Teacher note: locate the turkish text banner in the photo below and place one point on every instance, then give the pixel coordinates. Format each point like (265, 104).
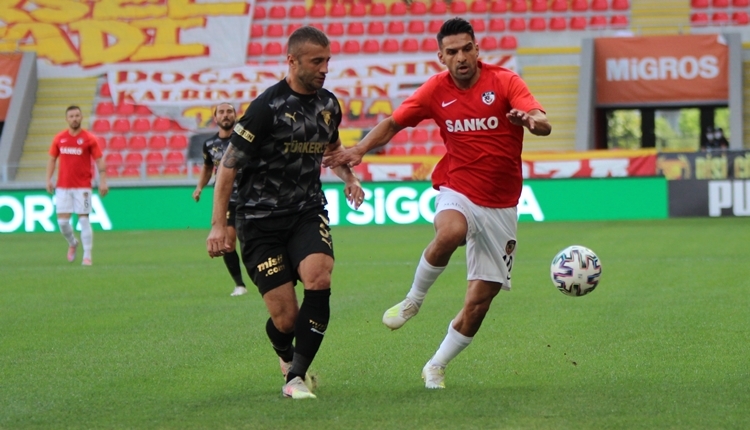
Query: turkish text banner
(9, 65)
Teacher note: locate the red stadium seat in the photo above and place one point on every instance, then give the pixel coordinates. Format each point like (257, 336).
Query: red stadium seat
(157, 142)
(256, 31)
(396, 27)
(390, 46)
(557, 23)
(137, 143)
(741, 3)
(358, 10)
(498, 6)
(101, 142)
(538, 24)
(291, 28)
(275, 30)
(559, 6)
(720, 18)
(579, 5)
(418, 150)
(434, 26)
(410, 45)
(130, 171)
(420, 136)
(508, 42)
(539, 6)
(277, 12)
(351, 47)
(117, 143)
(497, 25)
(740, 18)
(430, 45)
(398, 8)
(318, 25)
(401, 138)
(619, 21)
(438, 150)
(254, 49)
(113, 171)
(297, 12)
(478, 25)
(337, 10)
(121, 126)
(435, 136)
(378, 9)
(100, 125)
(105, 109)
(519, 6)
(721, 3)
(438, 8)
(125, 109)
(599, 5)
(417, 27)
(376, 28)
(259, 13)
(620, 4)
(273, 48)
(479, 7)
(335, 47)
(161, 125)
(699, 4)
(175, 158)
(141, 125)
(104, 90)
(142, 110)
(418, 8)
(699, 19)
(317, 11)
(488, 43)
(356, 28)
(335, 29)
(578, 23)
(152, 170)
(113, 159)
(172, 170)
(133, 159)
(598, 22)
(517, 24)
(396, 150)
(177, 142)
(371, 46)
(458, 7)
(154, 159)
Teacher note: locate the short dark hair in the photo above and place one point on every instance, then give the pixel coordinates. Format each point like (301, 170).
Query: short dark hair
(303, 35)
(455, 26)
(72, 107)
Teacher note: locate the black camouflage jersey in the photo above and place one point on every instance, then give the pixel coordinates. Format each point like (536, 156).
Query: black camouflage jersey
(213, 150)
(284, 135)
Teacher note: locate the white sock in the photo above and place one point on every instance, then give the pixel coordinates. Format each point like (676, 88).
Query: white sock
(67, 231)
(425, 275)
(452, 345)
(87, 236)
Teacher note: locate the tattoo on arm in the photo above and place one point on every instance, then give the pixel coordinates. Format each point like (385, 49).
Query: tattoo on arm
(234, 158)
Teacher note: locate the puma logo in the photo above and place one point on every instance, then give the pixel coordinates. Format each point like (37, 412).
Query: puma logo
(291, 115)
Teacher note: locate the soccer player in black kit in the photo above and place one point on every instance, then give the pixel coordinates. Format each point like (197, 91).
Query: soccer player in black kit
(213, 150)
(282, 223)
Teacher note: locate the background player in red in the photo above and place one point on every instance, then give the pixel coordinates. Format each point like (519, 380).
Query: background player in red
(76, 148)
(481, 110)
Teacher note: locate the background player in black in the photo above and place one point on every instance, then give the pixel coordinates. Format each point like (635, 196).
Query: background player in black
(282, 223)
(213, 149)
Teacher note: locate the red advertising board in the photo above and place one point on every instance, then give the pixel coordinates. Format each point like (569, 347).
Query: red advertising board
(9, 64)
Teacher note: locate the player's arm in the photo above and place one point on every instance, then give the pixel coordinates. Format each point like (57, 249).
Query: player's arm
(352, 189)
(535, 120)
(51, 171)
(225, 175)
(101, 166)
(377, 137)
(206, 173)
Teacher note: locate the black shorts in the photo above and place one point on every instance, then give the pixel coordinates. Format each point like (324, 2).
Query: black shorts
(232, 214)
(272, 248)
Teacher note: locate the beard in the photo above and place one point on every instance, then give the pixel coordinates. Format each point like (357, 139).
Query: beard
(226, 125)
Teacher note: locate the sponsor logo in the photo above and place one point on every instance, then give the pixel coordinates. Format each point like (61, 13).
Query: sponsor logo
(71, 151)
(510, 247)
(662, 68)
(471, 124)
(734, 195)
(446, 104)
(291, 115)
(272, 266)
(326, 117)
(244, 133)
(36, 213)
(304, 147)
(488, 97)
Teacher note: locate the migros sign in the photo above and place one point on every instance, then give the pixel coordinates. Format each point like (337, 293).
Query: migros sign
(668, 69)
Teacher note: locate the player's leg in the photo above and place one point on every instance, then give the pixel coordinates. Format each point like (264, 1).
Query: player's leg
(82, 206)
(451, 229)
(64, 209)
(231, 258)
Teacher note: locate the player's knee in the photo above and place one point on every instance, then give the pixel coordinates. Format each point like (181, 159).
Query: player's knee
(318, 281)
(285, 322)
(447, 239)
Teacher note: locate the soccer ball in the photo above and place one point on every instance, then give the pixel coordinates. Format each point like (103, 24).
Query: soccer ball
(575, 271)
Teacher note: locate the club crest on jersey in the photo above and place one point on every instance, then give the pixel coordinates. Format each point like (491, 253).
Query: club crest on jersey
(510, 247)
(326, 117)
(79, 141)
(488, 97)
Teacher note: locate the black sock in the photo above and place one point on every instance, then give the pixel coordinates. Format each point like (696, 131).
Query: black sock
(311, 325)
(232, 260)
(281, 342)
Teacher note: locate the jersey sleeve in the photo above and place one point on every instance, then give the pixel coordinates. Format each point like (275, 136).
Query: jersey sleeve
(207, 160)
(96, 151)
(257, 121)
(54, 149)
(337, 117)
(416, 107)
(520, 97)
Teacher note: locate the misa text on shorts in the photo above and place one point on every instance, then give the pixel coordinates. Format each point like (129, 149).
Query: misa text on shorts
(729, 194)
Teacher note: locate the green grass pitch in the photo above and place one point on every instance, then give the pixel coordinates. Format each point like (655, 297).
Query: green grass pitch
(149, 338)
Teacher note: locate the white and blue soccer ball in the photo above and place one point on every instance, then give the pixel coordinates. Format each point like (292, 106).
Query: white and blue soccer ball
(575, 271)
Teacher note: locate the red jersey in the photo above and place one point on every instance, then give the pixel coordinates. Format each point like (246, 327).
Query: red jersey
(75, 153)
(483, 157)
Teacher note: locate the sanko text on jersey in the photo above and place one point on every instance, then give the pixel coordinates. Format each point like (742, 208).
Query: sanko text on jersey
(472, 124)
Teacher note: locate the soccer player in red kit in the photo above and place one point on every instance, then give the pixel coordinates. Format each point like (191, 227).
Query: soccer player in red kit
(481, 110)
(76, 148)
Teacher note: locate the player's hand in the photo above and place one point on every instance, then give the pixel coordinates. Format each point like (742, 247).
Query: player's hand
(216, 244)
(354, 193)
(342, 157)
(103, 188)
(520, 118)
(50, 187)
(197, 194)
